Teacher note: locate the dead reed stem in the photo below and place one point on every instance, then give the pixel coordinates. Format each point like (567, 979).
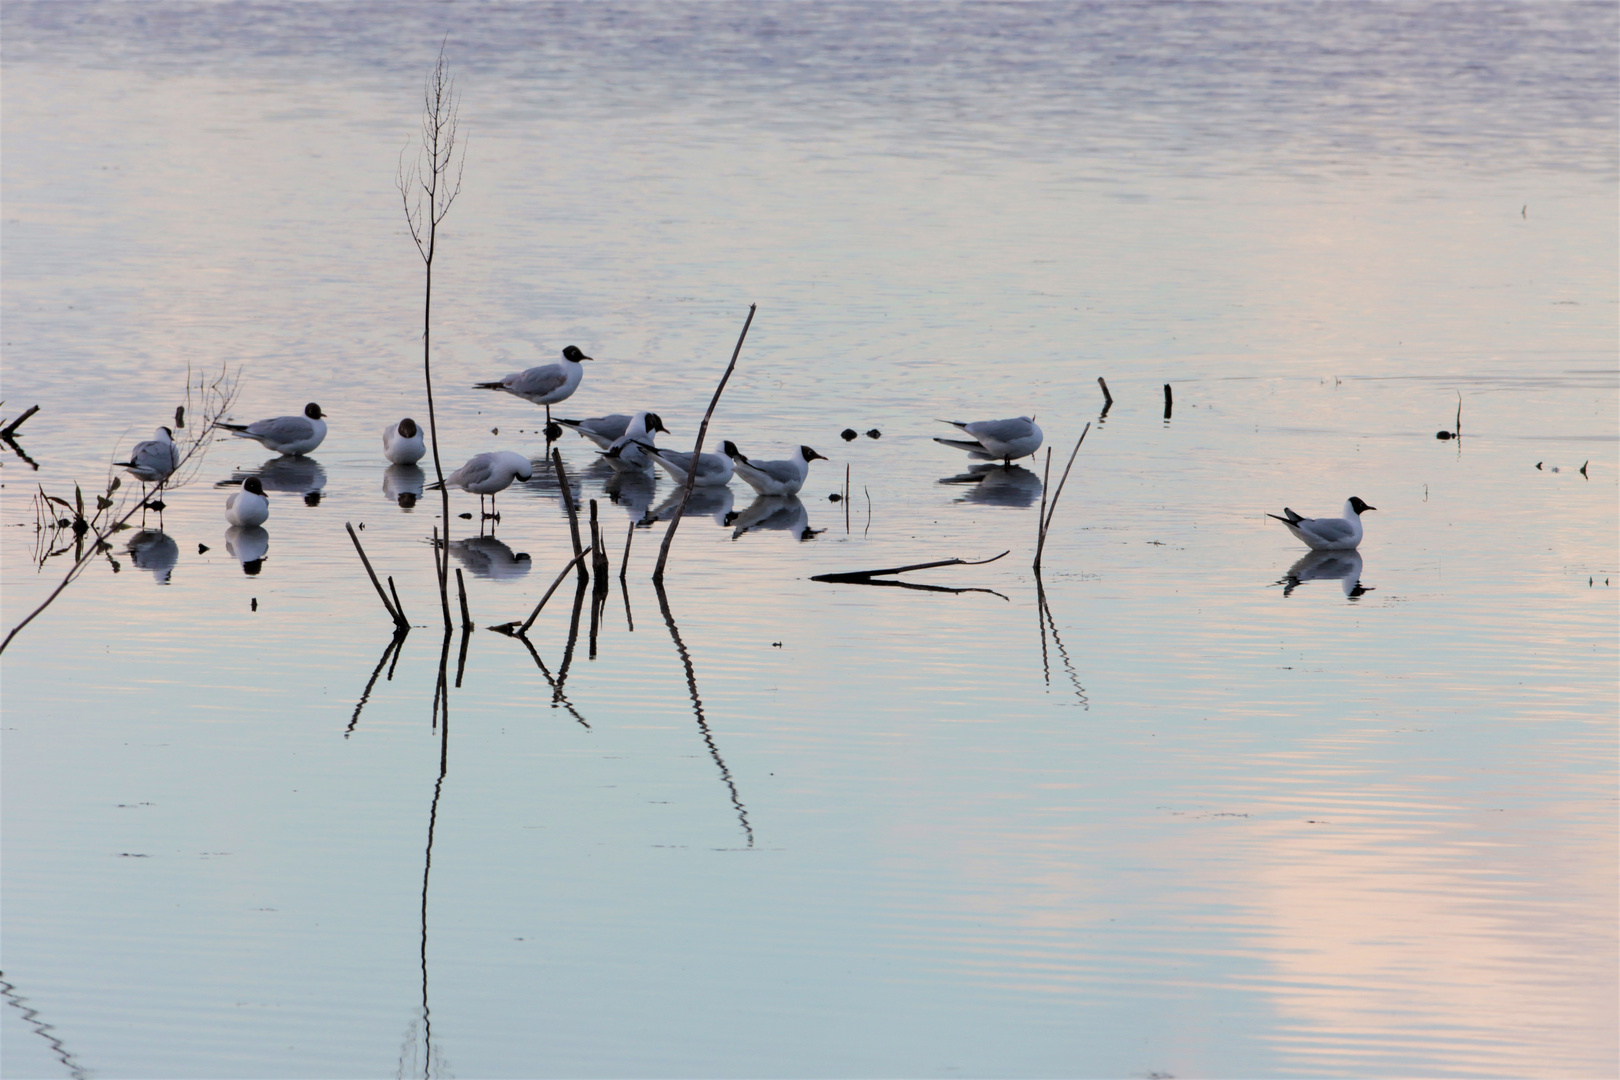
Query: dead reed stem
(703, 429)
(393, 612)
(535, 614)
(573, 515)
(1046, 523)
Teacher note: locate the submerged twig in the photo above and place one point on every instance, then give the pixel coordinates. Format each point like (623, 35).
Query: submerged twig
(697, 450)
(11, 429)
(1108, 399)
(860, 576)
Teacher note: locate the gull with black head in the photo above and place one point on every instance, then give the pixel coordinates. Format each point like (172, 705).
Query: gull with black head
(1328, 534)
(545, 384)
(289, 435)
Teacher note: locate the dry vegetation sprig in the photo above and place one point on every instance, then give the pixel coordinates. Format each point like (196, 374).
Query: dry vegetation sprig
(91, 528)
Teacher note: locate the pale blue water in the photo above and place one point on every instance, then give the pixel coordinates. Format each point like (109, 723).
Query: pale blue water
(1222, 826)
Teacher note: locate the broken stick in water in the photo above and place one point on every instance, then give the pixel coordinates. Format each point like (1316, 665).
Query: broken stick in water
(858, 576)
(399, 620)
(1048, 510)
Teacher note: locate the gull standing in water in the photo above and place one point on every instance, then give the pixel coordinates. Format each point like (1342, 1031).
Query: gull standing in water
(487, 474)
(1328, 534)
(402, 442)
(544, 385)
(247, 507)
(290, 435)
(153, 461)
(772, 477)
(997, 440)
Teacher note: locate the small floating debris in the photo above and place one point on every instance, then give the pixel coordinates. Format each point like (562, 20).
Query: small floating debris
(835, 497)
(254, 604)
(874, 433)
(202, 549)
(848, 434)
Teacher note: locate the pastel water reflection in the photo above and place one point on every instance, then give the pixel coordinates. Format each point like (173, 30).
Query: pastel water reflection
(1170, 807)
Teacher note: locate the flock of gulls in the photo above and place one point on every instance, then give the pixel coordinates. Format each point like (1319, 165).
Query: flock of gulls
(626, 443)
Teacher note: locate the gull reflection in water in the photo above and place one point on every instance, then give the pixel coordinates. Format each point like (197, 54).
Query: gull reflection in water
(714, 501)
(487, 557)
(784, 512)
(403, 484)
(998, 485)
(154, 550)
(295, 475)
(249, 545)
(633, 491)
(1341, 566)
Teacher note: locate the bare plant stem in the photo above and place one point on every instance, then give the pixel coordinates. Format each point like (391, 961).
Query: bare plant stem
(573, 514)
(853, 576)
(427, 195)
(466, 619)
(1046, 522)
(535, 614)
(1040, 522)
(399, 620)
(697, 450)
(219, 396)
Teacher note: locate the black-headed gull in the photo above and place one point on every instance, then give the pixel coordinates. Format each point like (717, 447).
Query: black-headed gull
(1328, 534)
(604, 431)
(772, 477)
(402, 442)
(487, 474)
(997, 440)
(625, 452)
(247, 507)
(154, 460)
(713, 470)
(290, 435)
(546, 384)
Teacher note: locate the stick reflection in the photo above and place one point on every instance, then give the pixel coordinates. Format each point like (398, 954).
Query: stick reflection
(697, 709)
(391, 651)
(1046, 620)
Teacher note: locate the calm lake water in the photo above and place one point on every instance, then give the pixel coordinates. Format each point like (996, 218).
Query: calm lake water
(1182, 806)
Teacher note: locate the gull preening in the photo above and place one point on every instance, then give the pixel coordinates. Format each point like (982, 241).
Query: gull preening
(402, 442)
(290, 435)
(154, 460)
(546, 384)
(772, 477)
(1328, 534)
(247, 507)
(604, 431)
(626, 451)
(713, 470)
(488, 474)
(997, 440)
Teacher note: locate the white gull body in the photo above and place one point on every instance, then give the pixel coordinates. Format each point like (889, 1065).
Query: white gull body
(247, 507)
(289, 435)
(1328, 534)
(772, 477)
(997, 440)
(402, 442)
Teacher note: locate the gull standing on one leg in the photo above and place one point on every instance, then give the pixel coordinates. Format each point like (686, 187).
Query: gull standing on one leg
(997, 440)
(546, 384)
